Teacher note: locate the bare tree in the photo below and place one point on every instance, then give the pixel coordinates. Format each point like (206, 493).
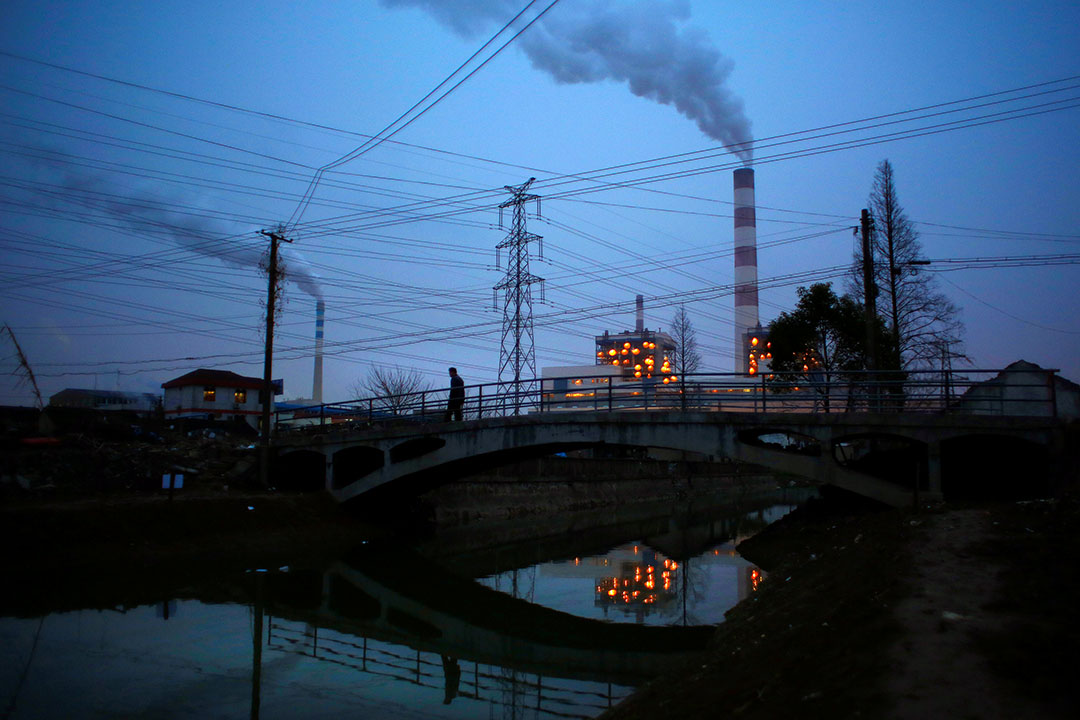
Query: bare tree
(687, 358)
(394, 388)
(917, 314)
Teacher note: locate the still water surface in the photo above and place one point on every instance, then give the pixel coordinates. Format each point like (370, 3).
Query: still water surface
(388, 634)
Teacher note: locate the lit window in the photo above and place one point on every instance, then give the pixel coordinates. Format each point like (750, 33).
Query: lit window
(209, 394)
(240, 396)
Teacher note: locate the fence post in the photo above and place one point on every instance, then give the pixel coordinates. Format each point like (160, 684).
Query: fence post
(371, 409)
(609, 396)
(682, 389)
(480, 402)
(764, 400)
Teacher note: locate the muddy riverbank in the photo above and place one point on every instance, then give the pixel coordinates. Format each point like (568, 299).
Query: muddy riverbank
(954, 612)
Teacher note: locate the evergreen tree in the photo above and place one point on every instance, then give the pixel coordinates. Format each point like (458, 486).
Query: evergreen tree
(918, 316)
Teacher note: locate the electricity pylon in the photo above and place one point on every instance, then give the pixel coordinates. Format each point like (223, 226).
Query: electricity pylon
(517, 354)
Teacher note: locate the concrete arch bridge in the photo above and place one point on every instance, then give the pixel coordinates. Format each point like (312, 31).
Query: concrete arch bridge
(893, 458)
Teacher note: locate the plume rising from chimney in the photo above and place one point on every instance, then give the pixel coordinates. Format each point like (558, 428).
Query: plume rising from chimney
(647, 44)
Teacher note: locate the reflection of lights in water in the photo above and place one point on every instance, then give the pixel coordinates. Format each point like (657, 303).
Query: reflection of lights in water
(636, 585)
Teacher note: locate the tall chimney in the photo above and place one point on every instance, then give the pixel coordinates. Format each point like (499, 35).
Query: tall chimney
(316, 385)
(640, 325)
(746, 282)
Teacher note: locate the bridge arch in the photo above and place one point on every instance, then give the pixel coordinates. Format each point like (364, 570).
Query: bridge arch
(416, 456)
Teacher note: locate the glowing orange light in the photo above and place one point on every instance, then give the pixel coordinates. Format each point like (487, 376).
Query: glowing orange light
(614, 362)
(754, 342)
(626, 345)
(612, 592)
(674, 379)
(611, 351)
(753, 370)
(637, 373)
(636, 350)
(625, 351)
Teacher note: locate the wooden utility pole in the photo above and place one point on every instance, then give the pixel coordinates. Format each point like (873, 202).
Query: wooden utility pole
(276, 237)
(870, 301)
(869, 291)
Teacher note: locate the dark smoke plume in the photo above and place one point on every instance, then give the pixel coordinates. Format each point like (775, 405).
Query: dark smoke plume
(643, 43)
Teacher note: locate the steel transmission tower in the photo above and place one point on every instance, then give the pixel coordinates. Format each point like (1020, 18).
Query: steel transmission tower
(517, 355)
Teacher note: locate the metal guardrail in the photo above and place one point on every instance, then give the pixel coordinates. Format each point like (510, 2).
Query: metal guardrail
(1020, 392)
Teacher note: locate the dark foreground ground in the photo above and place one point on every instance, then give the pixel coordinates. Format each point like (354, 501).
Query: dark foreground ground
(951, 613)
(966, 612)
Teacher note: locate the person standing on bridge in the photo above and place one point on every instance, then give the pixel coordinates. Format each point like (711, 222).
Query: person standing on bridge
(457, 397)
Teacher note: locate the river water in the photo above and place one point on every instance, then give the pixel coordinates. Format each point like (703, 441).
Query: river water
(541, 625)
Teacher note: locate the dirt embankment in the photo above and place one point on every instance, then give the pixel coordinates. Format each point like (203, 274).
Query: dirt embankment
(955, 613)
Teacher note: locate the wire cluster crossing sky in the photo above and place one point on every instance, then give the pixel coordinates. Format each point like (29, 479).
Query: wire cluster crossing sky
(146, 145)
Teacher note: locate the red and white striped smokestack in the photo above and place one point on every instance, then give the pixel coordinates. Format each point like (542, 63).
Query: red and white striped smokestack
(746, 284)
(639, 326)
(316, 384)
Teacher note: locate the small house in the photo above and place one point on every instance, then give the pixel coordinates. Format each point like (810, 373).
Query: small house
(219, 395)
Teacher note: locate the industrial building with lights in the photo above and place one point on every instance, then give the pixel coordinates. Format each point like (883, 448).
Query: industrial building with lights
(626, 365)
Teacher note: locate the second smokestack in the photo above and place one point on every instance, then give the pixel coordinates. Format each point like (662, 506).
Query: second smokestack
(640, 324)
(316, 384)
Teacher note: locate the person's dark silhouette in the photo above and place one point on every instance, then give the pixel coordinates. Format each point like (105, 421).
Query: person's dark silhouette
(452, 673)
(457, 397)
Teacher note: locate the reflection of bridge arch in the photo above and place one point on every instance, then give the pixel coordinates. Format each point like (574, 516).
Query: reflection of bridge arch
(412, 454)
(402, 598)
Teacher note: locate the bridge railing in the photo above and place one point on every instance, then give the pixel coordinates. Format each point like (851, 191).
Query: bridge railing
(1012, 391)
(549, 696)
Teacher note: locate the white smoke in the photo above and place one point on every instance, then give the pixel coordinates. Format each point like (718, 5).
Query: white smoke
(644, 43)
(198, 233)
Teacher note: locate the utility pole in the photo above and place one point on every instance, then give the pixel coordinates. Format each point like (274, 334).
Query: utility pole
(276, 237)
(869, 291)
(517, 353)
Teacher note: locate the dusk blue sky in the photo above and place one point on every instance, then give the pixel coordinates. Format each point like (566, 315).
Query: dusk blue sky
(130, 210)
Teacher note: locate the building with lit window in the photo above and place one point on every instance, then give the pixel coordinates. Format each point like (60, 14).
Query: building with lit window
(216, 395)
(757, 350)
(641, 354)
(628, 369)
